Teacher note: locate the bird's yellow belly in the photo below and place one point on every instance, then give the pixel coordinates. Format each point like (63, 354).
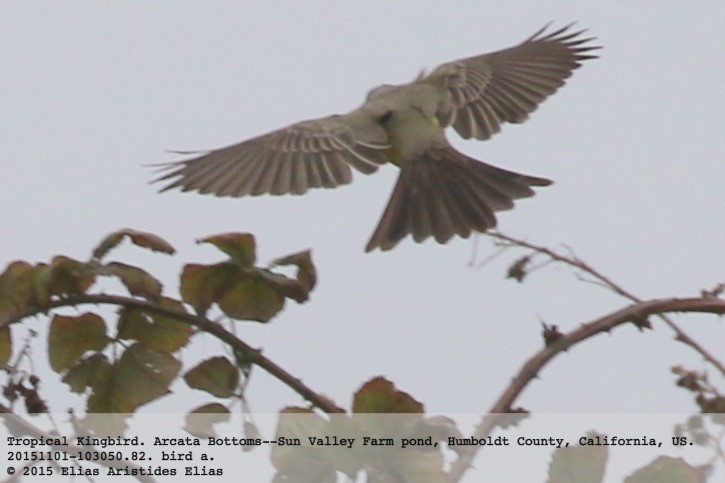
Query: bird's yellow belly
(412, 133)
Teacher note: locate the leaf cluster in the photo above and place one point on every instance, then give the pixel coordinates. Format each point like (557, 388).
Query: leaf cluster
(122, 365)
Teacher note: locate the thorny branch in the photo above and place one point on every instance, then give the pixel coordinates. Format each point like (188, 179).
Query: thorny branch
(500, 413)
(601, 279)
(635, 313)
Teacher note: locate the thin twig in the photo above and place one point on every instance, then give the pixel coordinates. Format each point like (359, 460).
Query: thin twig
(601, 279)
(531, 368)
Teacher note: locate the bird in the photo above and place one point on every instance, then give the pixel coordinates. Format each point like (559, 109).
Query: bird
(440, 192)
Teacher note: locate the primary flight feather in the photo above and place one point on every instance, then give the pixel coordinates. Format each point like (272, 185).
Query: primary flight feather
(440, 192)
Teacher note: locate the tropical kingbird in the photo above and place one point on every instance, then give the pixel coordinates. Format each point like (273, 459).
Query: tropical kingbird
(440, 192)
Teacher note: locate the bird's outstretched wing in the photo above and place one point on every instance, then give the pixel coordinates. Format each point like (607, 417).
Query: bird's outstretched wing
(484, 91)
(309, 154)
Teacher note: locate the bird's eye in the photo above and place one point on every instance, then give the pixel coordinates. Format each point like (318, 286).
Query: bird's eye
(385, 117)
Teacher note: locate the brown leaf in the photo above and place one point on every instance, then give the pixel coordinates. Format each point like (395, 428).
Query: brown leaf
(518, 269)
(306, 272)
(139, 238)
(217, 376)
(241, 247)
(6, 346)
(202, 285)
(69, 277)
(156, 331)
(381, 396)
(138, 281)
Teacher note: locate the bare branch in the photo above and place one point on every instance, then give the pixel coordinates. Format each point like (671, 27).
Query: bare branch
(531, 368)
(600, 279)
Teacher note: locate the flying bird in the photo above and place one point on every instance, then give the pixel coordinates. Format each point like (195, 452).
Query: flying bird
(440, 192)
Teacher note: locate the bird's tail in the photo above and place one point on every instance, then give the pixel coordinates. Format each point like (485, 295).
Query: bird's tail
(444, 193)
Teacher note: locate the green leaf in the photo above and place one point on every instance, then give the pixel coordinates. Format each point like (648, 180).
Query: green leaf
(241, 247)
(138, 281)
(578, 464)
(69, 277)
(252, 299)
(40, 284)
(71, 337)
(380, 396)
(202, 285)
(16, 286)
(109, 397)
(6, 346)
(107, 244)
(666, 469)
(132, 323)
(156, 331)
(200, 422)
(90, 372)
(217, 376)
(143, 374)
(139, 238)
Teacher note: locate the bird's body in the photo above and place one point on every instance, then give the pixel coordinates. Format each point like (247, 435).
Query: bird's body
(440, 192)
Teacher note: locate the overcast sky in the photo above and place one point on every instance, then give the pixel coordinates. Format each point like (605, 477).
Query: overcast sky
(91, 91)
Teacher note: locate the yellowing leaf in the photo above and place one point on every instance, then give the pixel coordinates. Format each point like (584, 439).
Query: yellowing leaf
(138, 281)
(16, 285)
(6, 346)
(71, 337)
(578, 464)
(217, 376)
(200, 422)
(158, 332)
(143, 375)
(108, 397)
(241, 247)
(252, 299)
(69, 277)
(381, 396)
(202, 285)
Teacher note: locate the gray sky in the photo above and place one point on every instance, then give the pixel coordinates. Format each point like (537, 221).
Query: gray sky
(91, 91)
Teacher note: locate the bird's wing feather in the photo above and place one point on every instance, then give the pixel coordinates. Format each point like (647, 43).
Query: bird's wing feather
(482, 92)
(309, 154)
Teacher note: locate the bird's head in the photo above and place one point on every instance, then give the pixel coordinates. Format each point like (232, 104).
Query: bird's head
(380, 92)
